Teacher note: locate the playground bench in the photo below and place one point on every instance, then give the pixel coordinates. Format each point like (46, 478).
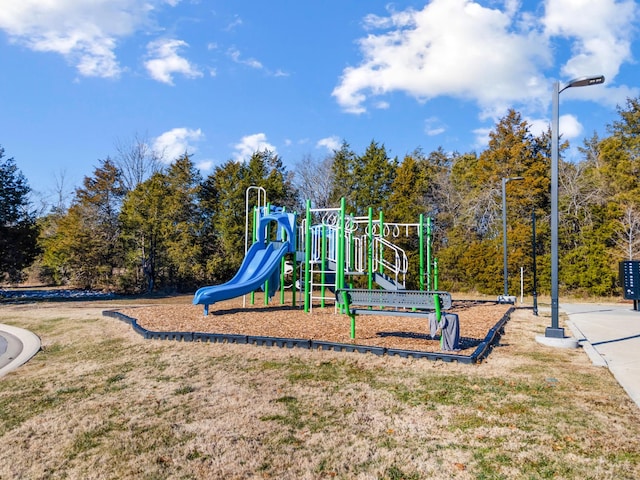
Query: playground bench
(417, 303)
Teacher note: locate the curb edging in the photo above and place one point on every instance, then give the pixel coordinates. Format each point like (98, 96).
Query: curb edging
(481, 352)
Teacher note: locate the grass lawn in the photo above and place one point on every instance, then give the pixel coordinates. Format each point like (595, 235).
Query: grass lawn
(101, 402)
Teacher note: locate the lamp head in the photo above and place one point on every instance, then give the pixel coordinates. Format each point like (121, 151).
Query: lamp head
(585, 81)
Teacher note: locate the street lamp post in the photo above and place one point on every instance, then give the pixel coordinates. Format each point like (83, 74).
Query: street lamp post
(554, 331)
(504, 234)
(533, 262)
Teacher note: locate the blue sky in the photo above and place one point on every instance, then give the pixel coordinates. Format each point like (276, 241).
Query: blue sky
(221, 80)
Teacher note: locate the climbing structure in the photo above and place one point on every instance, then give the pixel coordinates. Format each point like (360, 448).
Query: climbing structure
(338, 247)
(329, 249)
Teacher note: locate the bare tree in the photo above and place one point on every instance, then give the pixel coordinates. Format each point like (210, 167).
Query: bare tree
(137, 161)
(485, 210)
(56, 199)
(61, 193)
(628, 238)
(315, 180)
(580, 190)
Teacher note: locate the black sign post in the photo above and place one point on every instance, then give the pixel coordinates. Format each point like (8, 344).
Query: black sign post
(630, 281)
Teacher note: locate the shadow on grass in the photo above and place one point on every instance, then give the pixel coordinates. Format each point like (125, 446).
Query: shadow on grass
(464, 343)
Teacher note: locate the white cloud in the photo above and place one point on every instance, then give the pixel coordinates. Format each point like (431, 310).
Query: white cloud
(85, 33)
(601, 38)
(205, 165)
(450, 47)
(495, 57)
(236, 22)
(330, 143)
(482, 136)
(166, 62)
(176, 142)
(538, 126)
(250, 62)
(433, 126)
(251, 144)
(237, 57)
(569, 127)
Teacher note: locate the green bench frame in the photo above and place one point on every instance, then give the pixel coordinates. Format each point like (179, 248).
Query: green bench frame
(416, 303)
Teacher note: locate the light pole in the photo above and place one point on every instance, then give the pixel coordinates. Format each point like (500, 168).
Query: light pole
(505, 297)
(554, 331)
(534, 265)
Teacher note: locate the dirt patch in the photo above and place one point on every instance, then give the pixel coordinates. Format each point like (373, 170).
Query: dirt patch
(321, 324)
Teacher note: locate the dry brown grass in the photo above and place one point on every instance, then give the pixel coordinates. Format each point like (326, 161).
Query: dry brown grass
(101, 402)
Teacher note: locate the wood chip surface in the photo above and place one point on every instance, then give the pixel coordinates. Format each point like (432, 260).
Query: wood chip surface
(320, 324)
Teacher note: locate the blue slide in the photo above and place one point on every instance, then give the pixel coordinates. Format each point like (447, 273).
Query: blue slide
(261, 263)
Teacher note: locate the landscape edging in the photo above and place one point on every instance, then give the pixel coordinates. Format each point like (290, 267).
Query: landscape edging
(481, 352)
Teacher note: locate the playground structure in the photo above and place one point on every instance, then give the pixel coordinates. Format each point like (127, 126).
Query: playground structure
(339, 247)
(327, 251)
(261, 264)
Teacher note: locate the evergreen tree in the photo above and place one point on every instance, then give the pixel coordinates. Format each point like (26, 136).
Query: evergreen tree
(223, 202)
(183, 225)
(408, 190)
(374, 174)
(475, 239)
(163, 226)
(620, 152)
(82, 245)
(406, 204)
(345, 182)
(175, 231)
(225, 211)
(618, 169)
(143, 216)
(18, 227)
(265, 169)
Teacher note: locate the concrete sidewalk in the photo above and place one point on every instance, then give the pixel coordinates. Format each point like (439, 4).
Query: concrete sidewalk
(610, 335)
(17, 346)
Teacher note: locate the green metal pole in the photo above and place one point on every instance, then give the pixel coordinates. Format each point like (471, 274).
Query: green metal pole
(421, 247)
(282, 267)
(294, 278)
(295, 265)
(437, 299)
(266, 237)
(353, 327)
(341, 238)
(254, 237)
(370, 250)
(282, 263)
(323, 259)
(429, 253)
(381, 253)
(307, 258)
(352, 250)
(352, 316)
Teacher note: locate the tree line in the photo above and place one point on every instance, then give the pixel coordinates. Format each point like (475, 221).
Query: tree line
(139, 225)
